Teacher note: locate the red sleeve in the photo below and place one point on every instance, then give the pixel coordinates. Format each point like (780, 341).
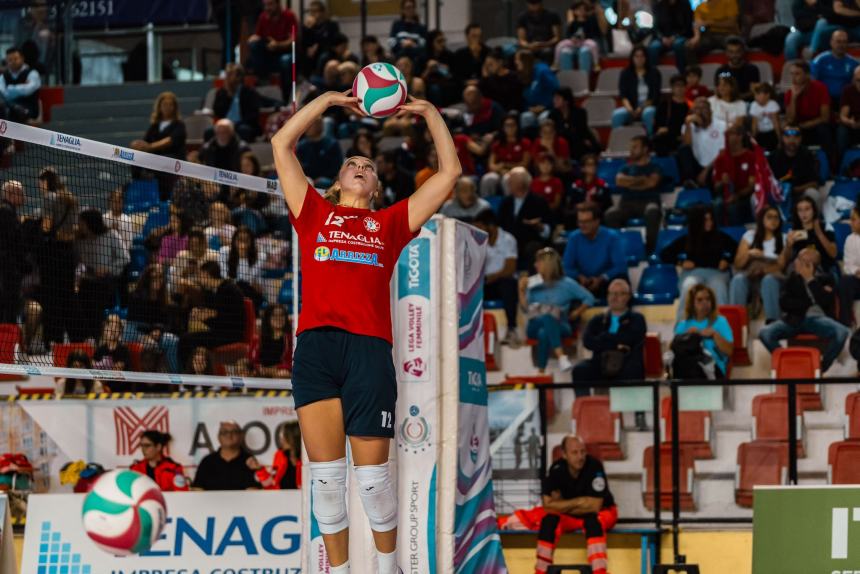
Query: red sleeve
(563, 148)
(396, 226)
(292, 23)
(313, 208)
(261, 27)
(720, 167)
(536, 186)
(557, 188)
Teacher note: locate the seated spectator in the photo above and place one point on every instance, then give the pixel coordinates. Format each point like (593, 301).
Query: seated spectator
(808, 301)
(482, 115)
(182, 278)
(589, 188)
(671, 114)
(242, 263)
(700, 316)
(764, 111)
(694, 89)
(794, 164)
(228, 468)
(551, 302)
(317, 37)
(805, 15)
(170, 240)
(848, 123)
(73, 386)
(363, 144)
(571, 123)
(618, 331)
(705, 255)
(834, 15)
(286, 469)
(437, 73)
(673, 25)
(111, 354)
(725, 104)
(540, 84)
(320, 155)
(508, 150)
(194, 196)
(117, 220)
(166, 472)
(395, 180)
(538, 30)
(19, 88)
(551, 144)
(225, 149)
(547, 185)
(594, 255)
(734, 179)
(104, 257)
(704, 137)
(221, 318)
(12, 250)
(238, 103)
(465, 205)
(835, 68)
(468, 61)
(337, 54)
(166, 133)
(407, 37)
(372, 51)
(199, 363)
(248, 210)
(807, 105)
(745, 74)
(271, 43)
(525, 216)
(757, 265)
(639, 88)
(499, 83)
(714, 21)
(151, 315)
(639, 181)
(849, 282)
(500, 268)
(275, 353)
(809, 230)
(582, 39)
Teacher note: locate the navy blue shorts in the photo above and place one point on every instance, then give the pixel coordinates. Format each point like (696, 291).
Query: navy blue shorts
(357, 369)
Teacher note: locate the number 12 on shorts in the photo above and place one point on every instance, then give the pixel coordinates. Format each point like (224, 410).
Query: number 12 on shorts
(386, 419)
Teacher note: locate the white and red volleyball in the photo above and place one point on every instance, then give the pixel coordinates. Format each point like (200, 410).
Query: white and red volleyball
(381, 88)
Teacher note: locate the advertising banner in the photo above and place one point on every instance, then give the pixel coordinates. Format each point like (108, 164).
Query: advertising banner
(820, 524)
(8, 563)
(206, 533)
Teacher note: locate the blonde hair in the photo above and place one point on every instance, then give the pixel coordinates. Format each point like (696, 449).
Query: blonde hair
(332, 194)
(690, 304)
(156, 108)
(549, 254)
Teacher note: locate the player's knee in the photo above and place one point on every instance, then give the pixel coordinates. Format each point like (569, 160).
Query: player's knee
(593, 527)
(548, 525)
(377, 496)
(328, 487)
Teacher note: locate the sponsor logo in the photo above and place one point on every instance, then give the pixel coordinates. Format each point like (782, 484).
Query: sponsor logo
(359, 257)
(65, 142)
(474, 445)
(322, 253)
(177, 167)
(338, 220)
(272, 184)
(598, 484)
(371, 224)
(125, 154)
(414, 263)
(229, 177)
(3, 127)
(338, 236)
(320, 238)
(414, 367)
(129, 425)
(415, 330)
(179, 481)
(475, 380)
(414, 432)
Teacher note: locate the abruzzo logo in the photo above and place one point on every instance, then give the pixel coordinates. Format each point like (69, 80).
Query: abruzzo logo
(125, 154)
(371, 259)
(65, 142)
(322, 253)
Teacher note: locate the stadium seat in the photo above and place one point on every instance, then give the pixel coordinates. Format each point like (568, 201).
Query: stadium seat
(134, 350)
(63, 350)
(843, 462)
(653, 351)
(138, 257)
(709, 70)
(687, 198)
(491, 340)
(850, 157)
(557, 452)
(658, 285)
(765, 71)
(599, 111)
(598, 427)
(736, 315)
(695, 429)
(195, 126)
(634, 246)
(736, 232)
(852, 416)
(159, 216)
(823, 166)
(686, 462)
(264, 152)
(608, 168)
(230, 354)
(669, 169)
(576, 80)
(759, 463)
(799, 363)
(495, 202)
(285, 294)
(536, 380)
(665, 237)
(140, 195)
(607, 82)
(619, 139)
(842, 231)
(666, 73)
(770, 420)
(10, 337)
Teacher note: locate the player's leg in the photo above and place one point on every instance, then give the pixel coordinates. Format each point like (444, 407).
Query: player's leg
(378, 495)
(596, 526)
(552, 526)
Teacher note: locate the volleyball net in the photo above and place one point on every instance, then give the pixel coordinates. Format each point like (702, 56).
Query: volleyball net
(122, 270)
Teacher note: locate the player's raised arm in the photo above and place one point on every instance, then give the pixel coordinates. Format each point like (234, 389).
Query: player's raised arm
(290, 172)
(428, 198)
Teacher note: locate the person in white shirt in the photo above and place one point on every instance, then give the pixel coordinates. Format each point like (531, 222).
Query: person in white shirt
(757, 263)
(241, 262)
(499, 269)
(219, 225)
(465, 205)
(19, 88)
(704, 137)
(726, 104)
(764, 112)
(120, 222)
(849, 283)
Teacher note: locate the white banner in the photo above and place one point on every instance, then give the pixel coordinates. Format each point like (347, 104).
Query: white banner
(8, 563)
(206, 533)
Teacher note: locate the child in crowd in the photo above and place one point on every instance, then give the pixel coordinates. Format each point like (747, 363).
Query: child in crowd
(546, 185)
(764, 112)
(727, 104)
(589, 188)
(694, 88)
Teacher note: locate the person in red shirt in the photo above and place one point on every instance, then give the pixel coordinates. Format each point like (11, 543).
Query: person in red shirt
(546, 184)
(694, 89)
(734, 178)
(344, 382)
(271, 44)
(166, 472)
(286, 470)
(508, 150)
(807, 105)
(548, 141)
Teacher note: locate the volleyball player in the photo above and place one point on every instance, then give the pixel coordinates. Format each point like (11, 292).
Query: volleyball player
(344, 384)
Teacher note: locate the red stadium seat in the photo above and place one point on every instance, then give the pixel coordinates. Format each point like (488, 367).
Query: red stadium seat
(759, 463)
(599, 428)
(231, 354)
(686, 486)
(852, 413)
(799, 363)
(491, 337)
(556, 452)
(843, 462)
(736, 315)
(10, 337)
(770, 420)
(653, 356)
(134, 350)
(62, 352)
(535, 380)
(695, 429)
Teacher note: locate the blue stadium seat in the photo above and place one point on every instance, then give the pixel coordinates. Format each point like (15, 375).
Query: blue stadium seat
(669, 168)
(634, 246)
(823, 166)
(140, 195)
(607, 169)
(736, 232)
(665, 237)
(658, 285)
(495, 202)
(285, 295)
(215, 243)
(842, 231)
(250, 218)
(847, 188)
(158, 217)
(687, 198)
(850, 157)
(138, 258)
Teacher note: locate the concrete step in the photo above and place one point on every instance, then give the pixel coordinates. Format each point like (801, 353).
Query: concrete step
(134, 91)
(81, 126)
(106, 110)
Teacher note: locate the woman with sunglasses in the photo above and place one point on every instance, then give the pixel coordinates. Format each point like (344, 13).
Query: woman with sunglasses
(166, 472)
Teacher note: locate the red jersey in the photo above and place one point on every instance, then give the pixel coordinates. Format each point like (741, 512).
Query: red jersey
(348, 256)
(511, 152)
(168, 474)
(549, 189)
(467, 162)
(810, 101)
(280, 28)
(697, 91)
(560, 148)
(739, 168)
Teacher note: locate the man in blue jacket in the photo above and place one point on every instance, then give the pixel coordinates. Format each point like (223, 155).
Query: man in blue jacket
(594, 255)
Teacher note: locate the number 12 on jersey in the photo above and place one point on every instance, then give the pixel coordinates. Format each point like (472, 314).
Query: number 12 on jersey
(386, 419)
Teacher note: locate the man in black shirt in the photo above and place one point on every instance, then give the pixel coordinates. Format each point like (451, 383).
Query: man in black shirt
(671, 115)
(499, 83)
(469, 60)
(745, 74)
(230, 467)
(793, 163)
(225, 149)
(538, 30)
(526, 216)
(12, 251)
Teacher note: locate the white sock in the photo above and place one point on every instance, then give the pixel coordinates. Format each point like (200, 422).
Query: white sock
(387, 562)
(342, 569)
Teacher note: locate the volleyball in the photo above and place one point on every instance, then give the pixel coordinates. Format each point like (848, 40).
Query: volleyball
(124, 513)
(381, 88)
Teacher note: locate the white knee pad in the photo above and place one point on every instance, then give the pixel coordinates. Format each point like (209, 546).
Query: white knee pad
(328, 489)
(377, 496)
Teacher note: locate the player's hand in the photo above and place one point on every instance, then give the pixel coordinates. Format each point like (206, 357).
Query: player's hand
(418, 107)
(345, 100)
